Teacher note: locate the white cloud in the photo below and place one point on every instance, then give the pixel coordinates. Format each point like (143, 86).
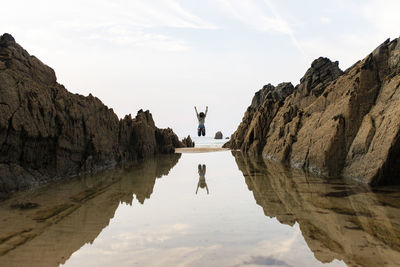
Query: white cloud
(384, 15)
(120, 35)
(262, 16)
(138, 13)
(136, 22)
(289, 30)
(255, 15)
(346, 48)
(325, 20)
(195, 21)
(159, 13)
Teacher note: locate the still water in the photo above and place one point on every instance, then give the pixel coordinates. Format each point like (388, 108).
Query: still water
(205, 209)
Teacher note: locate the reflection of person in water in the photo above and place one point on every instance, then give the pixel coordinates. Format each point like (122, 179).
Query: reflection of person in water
(202, 178)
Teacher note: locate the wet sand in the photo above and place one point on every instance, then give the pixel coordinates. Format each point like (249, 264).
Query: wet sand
(199, 149)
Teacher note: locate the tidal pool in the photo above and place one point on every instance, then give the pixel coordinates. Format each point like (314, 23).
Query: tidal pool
(201, 209)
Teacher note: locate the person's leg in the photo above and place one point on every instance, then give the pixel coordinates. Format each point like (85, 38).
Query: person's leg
(199, 131)
(203, 132)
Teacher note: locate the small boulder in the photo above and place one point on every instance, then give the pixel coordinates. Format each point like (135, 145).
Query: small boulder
(218, 135)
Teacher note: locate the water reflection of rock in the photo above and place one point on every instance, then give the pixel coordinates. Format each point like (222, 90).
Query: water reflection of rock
(70, 214)
(338, 220)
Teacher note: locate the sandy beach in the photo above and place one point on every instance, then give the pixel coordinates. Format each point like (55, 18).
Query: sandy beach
(199, 149)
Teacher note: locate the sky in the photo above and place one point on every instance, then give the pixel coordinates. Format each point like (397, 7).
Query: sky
(171, 55)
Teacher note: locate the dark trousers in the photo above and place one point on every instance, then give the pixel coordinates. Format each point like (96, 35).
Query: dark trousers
(201, 130)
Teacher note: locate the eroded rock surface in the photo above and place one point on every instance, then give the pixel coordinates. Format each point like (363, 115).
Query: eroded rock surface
(47, 132)
(333, 123)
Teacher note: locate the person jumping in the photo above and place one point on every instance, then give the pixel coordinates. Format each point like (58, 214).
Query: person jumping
(201, 130)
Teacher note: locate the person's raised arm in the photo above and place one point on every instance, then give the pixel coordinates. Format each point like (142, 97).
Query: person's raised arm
(206, 110)
(197, 114)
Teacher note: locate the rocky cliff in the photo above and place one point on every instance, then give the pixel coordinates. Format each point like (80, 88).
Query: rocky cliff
(47, 132)
(333, 123)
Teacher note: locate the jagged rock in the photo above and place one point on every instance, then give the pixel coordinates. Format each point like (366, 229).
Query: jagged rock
(47, 132)
(218, 135)
(188, 142)
(167, 140)
(333, 123)
(251, 133)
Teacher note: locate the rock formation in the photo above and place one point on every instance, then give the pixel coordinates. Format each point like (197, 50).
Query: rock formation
(47, 132)
(333, 123)
(218, 135)
(188, 142)
(338, 220)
